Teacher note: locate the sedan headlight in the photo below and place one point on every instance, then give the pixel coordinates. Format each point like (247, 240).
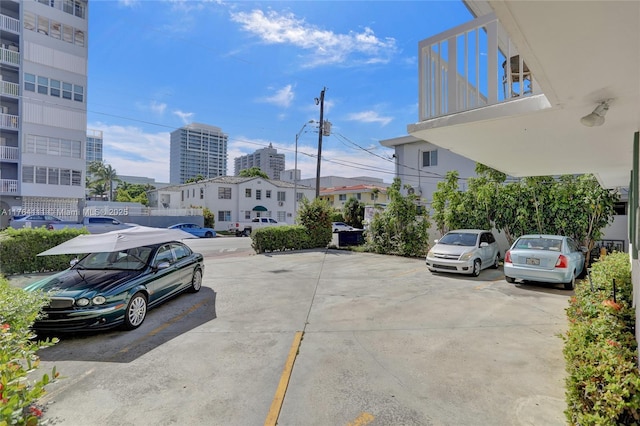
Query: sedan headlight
(82, 302)
(99, 300)
(466, 256)
(430, 253)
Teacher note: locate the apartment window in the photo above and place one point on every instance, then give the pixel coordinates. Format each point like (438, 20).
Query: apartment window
(66, 90)
(78, 93)
(430, 158)
(247, 193)
(54, 174)
(224, 216)
(281, 216)
(193, 193)
(202, 193)
(358, 196)
(27, 174)
(54, 88)
(55, 30)
(268, 193)
(43, 25)
(29, 21)
(282, 196)
(65, 177)
(41, 175)
(247, 215)
(342, 197)
(299, 196)
(258, 194)
(43, 85)
(182, 195)
(76, 178)
(79, 38)
(224, 193)
(67, 33)
(373, 196)
(30, 82)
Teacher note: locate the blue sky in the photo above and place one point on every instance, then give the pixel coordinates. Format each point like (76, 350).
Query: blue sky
(254, 69)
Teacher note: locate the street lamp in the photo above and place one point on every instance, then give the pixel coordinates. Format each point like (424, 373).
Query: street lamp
(295, 172)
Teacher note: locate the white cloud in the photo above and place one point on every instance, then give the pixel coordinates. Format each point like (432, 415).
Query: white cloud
(186, 117)
(369, 117)
(282, 97)
(326, 47)
(134, 152)
(158, 107)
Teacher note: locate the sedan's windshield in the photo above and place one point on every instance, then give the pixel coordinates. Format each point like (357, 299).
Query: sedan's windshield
(130, 259)
(459, 239)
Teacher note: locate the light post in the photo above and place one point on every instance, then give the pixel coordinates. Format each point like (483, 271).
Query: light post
(295, 172)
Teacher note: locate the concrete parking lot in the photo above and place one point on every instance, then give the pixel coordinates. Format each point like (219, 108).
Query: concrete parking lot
(384, 342)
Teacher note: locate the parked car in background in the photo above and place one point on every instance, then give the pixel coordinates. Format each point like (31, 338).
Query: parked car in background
(341, 226)
(244, 229)
(464, 251)
(195, 230)
(544, 258)
(108, 289)
(93, 224)
(32, 221)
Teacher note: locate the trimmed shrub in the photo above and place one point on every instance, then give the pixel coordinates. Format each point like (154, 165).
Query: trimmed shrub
(18, 395)
(316, 217)
(273, 238)
(603, 382)
(19, 249)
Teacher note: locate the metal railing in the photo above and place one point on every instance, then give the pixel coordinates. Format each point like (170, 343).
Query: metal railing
(466, 68)
(9, 121)
(9, 24)
(8, 185)
(9, 153)
(8, 88)
(9, 56)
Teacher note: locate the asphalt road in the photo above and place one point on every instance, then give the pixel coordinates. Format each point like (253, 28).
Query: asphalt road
(384, 342)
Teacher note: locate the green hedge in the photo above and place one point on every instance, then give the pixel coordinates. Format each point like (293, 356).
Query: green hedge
(19, 391)
(603, 382)
(19, 249)
(280, 238)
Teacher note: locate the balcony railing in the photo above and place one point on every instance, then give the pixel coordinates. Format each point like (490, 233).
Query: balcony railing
(8, 153)
(9, 24)
(8, 88)
(9, 56)
(8, 185)
(466, 68)
(9, 121)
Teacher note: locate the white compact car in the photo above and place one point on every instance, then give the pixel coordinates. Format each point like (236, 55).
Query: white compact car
(464, 251)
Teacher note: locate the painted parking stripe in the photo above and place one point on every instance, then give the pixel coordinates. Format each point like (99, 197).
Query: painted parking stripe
(362, 420)
(278, 399)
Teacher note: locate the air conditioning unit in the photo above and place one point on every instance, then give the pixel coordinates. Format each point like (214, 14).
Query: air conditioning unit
(414, 190)
(281, 203)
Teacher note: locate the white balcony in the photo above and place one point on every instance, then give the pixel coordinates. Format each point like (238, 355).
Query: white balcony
(9, 24)
(465, 68)
(8, 186)
(10, 89)
(9, 121)
(9, 55)
(8, 153)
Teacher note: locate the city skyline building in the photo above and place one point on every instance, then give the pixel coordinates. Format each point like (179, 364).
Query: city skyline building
(95, 143)
(197, 150)
(266, 159)
(43, 109)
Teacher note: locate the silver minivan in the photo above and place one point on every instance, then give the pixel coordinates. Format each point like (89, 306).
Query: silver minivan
(464, 251)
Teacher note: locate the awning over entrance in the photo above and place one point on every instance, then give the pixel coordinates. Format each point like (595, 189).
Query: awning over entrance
(259, 209)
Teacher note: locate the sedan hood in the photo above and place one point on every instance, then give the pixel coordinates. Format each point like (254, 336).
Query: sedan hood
(451, 250)
(81, 280)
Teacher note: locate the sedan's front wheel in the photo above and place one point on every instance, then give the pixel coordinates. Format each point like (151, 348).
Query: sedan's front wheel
(136, 311)
(476, 268)
(196, 281)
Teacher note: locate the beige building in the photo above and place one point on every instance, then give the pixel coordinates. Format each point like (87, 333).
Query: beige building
(365, 194)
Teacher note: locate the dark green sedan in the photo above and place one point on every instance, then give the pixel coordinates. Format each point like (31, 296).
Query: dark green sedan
(111, 289)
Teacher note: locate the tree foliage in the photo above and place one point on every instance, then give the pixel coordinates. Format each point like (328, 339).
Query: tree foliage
(575, 206)
(134, 193)
(196, 178)
(401, 228)
(354, 212)
(253, 172)
(103, 174)
(316, 217)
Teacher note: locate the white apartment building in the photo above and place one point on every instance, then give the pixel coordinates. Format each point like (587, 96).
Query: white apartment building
(266, 159)
(197, 149)
(234, 199)
(43, 94)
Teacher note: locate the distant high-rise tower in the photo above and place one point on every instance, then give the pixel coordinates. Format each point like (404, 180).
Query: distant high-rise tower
(267, 159)
(94, 146)
(43, 105)
(197, 149)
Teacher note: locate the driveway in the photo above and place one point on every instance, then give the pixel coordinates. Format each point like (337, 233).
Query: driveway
(384, 342)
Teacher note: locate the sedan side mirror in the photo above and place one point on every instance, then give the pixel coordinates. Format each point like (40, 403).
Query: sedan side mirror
(163, 265)
(484, 244)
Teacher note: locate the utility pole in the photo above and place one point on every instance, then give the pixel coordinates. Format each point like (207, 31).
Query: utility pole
(320, 132)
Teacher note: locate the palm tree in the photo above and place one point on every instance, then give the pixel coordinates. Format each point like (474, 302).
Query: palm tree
(105, 174)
